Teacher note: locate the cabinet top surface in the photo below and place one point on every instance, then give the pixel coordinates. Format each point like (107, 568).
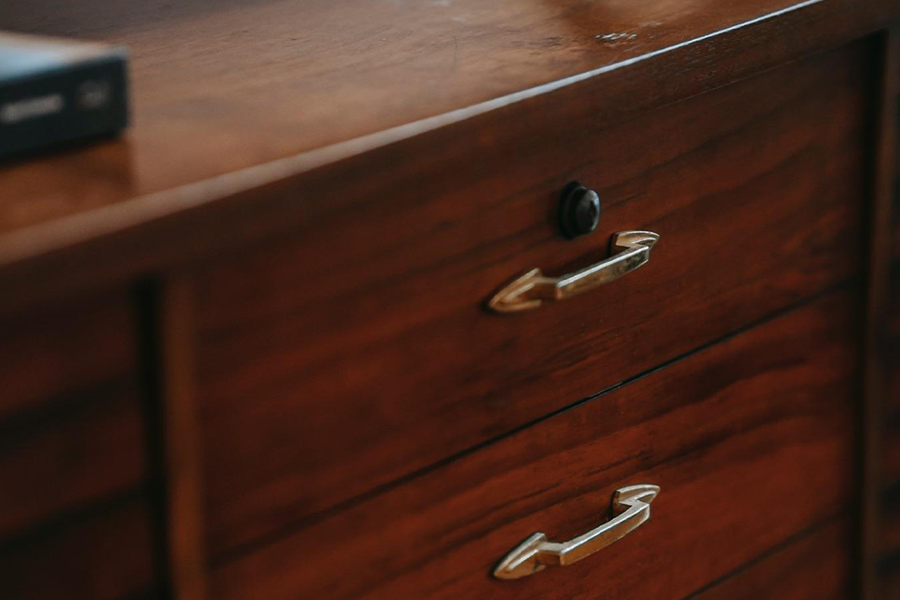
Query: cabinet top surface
(230, 94)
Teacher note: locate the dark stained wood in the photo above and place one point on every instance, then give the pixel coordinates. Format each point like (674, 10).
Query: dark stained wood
(889, 522)
(816, 567)
(886, 552)
(103, 557)
(184, 477)
(80, 456)
(49, 354)
(890, 340)
(890, 582)
(318, 82)
(264, 80)
(336, 360)
(876, 377)
(347, 182)
(70, 415)
(74, 481)
(892, 315)
(750, 440)
(879, 529)
(890, 451)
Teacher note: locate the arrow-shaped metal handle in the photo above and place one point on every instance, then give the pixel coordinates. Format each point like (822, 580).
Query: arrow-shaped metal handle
(630, 507)
(531, 289)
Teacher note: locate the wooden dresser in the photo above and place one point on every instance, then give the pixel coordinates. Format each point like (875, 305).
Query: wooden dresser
(395, 299)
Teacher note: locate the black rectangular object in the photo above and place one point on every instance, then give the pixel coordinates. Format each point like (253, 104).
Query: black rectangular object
(54, 91)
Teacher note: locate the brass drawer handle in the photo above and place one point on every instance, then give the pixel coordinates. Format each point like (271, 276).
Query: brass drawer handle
(532, 288)
(630, 508)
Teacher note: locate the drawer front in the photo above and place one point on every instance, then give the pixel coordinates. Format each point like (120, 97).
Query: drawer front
(74, 493)
(360, 350)
(751, 442)
(103, 557)
(69, 459)
(817, 566)
(52, 355)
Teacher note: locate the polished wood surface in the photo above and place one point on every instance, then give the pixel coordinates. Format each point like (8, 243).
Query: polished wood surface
(750, 440)
(891, 581)
(231, 99)
(331, 363)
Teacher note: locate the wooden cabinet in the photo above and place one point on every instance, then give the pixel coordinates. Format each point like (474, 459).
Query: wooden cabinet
(248, 351)
(321, 379)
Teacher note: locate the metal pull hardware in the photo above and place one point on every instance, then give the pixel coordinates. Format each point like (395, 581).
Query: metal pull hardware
(630, 509)
(531, 289)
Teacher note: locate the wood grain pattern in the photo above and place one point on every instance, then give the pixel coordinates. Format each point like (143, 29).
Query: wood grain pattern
(333, 361)
(889, 521)
(750, 440)
(74, 480)
(186, 557)
(51, 353)
(316, 83)
(881, 409)
(70, 411)
(264, 80)
(816, 567)
(77, 457)
(103, 557)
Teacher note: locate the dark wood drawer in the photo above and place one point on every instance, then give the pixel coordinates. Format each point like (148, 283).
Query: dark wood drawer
(69, 460)
(71, 431)
(52, 355)
(105, 556)
(75, 508)
(751, 442)
(359, 350)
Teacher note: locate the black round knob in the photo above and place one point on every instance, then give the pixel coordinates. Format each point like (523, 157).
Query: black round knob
(579, 210)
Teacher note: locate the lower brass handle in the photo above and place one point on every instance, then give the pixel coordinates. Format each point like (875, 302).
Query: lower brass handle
(532, 288)
(630, 507)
